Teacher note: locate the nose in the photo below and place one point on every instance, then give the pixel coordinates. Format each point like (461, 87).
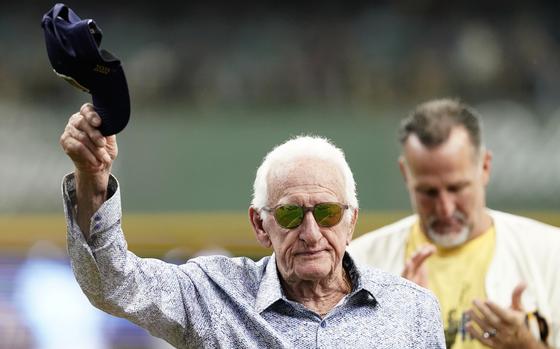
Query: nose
(310, 231)
(445, 205)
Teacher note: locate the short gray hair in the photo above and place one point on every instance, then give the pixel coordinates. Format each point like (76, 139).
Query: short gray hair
(301, 147)
(433, 121)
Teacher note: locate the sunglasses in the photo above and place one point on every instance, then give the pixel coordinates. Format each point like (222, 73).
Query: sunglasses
(290, 216)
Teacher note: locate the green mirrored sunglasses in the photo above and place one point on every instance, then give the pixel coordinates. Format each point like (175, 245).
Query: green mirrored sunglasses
(290, 216)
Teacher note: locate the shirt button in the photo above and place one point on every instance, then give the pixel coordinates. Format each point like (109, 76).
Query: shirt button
(97, 218)
(323, 324)
(96, 227)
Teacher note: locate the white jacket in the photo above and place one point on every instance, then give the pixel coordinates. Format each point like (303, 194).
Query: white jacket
(526, 250)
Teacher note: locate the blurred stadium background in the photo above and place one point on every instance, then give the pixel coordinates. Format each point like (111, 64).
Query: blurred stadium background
(215, 85)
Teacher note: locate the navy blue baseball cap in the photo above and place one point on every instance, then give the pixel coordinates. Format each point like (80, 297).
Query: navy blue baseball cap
(74, 53)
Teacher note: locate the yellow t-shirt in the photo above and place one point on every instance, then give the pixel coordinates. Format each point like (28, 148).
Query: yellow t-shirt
(456, 276)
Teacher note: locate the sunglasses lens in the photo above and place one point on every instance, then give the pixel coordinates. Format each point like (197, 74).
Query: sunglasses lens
(289, 216)
(328, 214)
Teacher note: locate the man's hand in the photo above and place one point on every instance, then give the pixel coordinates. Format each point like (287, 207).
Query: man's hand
(91, 152)
(415, 270)
(93, 155)
(502, 328)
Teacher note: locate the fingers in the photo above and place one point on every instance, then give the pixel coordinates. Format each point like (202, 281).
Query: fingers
(81, 129)
(79, 152)
(418, 258)
(507, 316)
(82, 137)
(84, 143)
(89, 122)
(496, 315)
(415, 270)
(516, 296)
(422, 254)
(488, 317)
(487, 323)
(499, 327)
(480, 336)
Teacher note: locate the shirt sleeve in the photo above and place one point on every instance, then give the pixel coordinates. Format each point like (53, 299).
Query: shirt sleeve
(433, 327)
(148, 292)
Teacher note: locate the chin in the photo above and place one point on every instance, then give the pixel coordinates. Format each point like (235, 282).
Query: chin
(449, 239)
(312, 273)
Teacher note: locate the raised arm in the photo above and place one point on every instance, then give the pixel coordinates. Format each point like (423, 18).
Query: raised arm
(148, 292)
(92, 154)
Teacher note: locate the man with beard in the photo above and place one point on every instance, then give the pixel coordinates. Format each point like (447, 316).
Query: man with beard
(493, 272)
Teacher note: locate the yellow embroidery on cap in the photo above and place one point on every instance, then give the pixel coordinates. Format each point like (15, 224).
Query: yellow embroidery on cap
(102, 69)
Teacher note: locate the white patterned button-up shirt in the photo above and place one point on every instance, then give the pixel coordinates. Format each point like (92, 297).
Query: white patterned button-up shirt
(221, 302)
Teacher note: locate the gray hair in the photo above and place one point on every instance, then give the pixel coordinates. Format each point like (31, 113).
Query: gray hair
(301, 147)
(433, 121)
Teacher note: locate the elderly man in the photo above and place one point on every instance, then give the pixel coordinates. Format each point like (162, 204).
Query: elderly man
(495, 274)
(308, 294)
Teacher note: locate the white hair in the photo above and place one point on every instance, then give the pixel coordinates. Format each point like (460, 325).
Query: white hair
(303, 147)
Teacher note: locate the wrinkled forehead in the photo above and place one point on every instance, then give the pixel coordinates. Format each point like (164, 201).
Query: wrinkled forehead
(303, 175)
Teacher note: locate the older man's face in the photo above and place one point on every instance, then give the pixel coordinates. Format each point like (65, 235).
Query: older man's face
(309, 251)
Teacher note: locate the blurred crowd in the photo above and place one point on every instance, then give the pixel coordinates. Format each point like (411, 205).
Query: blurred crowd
(382, 54)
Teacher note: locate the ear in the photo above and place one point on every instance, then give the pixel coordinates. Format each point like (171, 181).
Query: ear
(257, 224)
(402, 167)
(486, 167)
(352, 226)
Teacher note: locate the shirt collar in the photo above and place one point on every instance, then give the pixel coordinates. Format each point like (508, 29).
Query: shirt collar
(270, 289)
(362, 278)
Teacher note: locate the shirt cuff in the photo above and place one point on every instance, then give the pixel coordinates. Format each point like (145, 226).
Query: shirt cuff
(106, 217)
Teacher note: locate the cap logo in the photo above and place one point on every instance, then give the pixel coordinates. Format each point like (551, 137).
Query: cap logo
(102, 69)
